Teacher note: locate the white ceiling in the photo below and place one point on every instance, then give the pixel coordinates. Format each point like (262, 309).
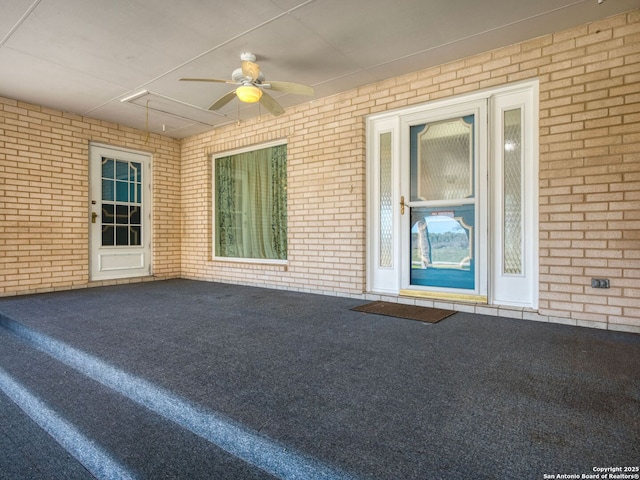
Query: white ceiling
(85, 57)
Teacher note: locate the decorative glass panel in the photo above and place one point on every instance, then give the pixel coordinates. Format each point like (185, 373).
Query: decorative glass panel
(442, 247)
(122, 214)
(107, 168)
(135, 172)
(134, 193)
(444, 160)
(107, 235)
(134, 235)
(134, 215)
(251, 204)
(386, 212)
(512, 181)
(107, 213)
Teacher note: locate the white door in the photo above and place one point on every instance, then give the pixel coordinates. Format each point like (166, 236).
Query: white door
(119, 216)
(444, 192)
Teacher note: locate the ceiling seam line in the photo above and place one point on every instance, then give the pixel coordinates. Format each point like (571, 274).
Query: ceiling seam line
(19, 22)
(200, 55)
(446, 44)
(266, 22)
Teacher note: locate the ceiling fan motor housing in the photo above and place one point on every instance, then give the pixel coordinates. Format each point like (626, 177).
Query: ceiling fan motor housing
(247, 57)
(239, 77)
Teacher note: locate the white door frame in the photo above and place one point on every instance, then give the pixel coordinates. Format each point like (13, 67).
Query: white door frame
(388, 279)
(115, 262)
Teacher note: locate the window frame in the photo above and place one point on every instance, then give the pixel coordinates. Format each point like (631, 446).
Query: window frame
(213, 224)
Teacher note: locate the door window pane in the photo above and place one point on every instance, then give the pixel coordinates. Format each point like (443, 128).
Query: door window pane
(134, 235)
(122, 170)
(134, 215)
(135, 192)
(107, 235)
(442, 170)
(108, 190)
(442, 160)
(121, 202)
(122, 214)
(135, 172)
(122, 236)
(108, 216)
(107, 167)
(442, 247)
(122, 192)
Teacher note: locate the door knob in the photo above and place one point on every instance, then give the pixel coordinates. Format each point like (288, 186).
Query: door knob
(94, 215)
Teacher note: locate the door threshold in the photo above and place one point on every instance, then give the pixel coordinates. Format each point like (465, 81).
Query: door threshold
(453, 297)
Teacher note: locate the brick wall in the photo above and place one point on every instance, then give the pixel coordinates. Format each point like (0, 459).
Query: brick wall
(589, 179)
(44, 194)
(326, 162)
(589, 173)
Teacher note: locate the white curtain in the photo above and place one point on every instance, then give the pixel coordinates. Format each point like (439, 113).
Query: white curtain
(251, 204)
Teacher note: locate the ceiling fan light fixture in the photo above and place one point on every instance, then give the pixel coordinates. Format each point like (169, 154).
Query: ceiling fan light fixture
(248, 93)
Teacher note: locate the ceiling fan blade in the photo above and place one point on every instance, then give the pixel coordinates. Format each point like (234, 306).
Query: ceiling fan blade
(250, 69)
(288, 87)
(222, 101)
(206, 80)
(271, 105)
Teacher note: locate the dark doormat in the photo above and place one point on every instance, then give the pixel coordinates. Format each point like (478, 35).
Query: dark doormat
(411, 312)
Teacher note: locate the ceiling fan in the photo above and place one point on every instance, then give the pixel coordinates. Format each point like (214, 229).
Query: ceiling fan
(251, 84)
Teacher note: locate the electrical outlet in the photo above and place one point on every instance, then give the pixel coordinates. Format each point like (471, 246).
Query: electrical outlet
(599, 283)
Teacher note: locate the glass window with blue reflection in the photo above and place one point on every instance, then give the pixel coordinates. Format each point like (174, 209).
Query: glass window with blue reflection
(121, 203)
